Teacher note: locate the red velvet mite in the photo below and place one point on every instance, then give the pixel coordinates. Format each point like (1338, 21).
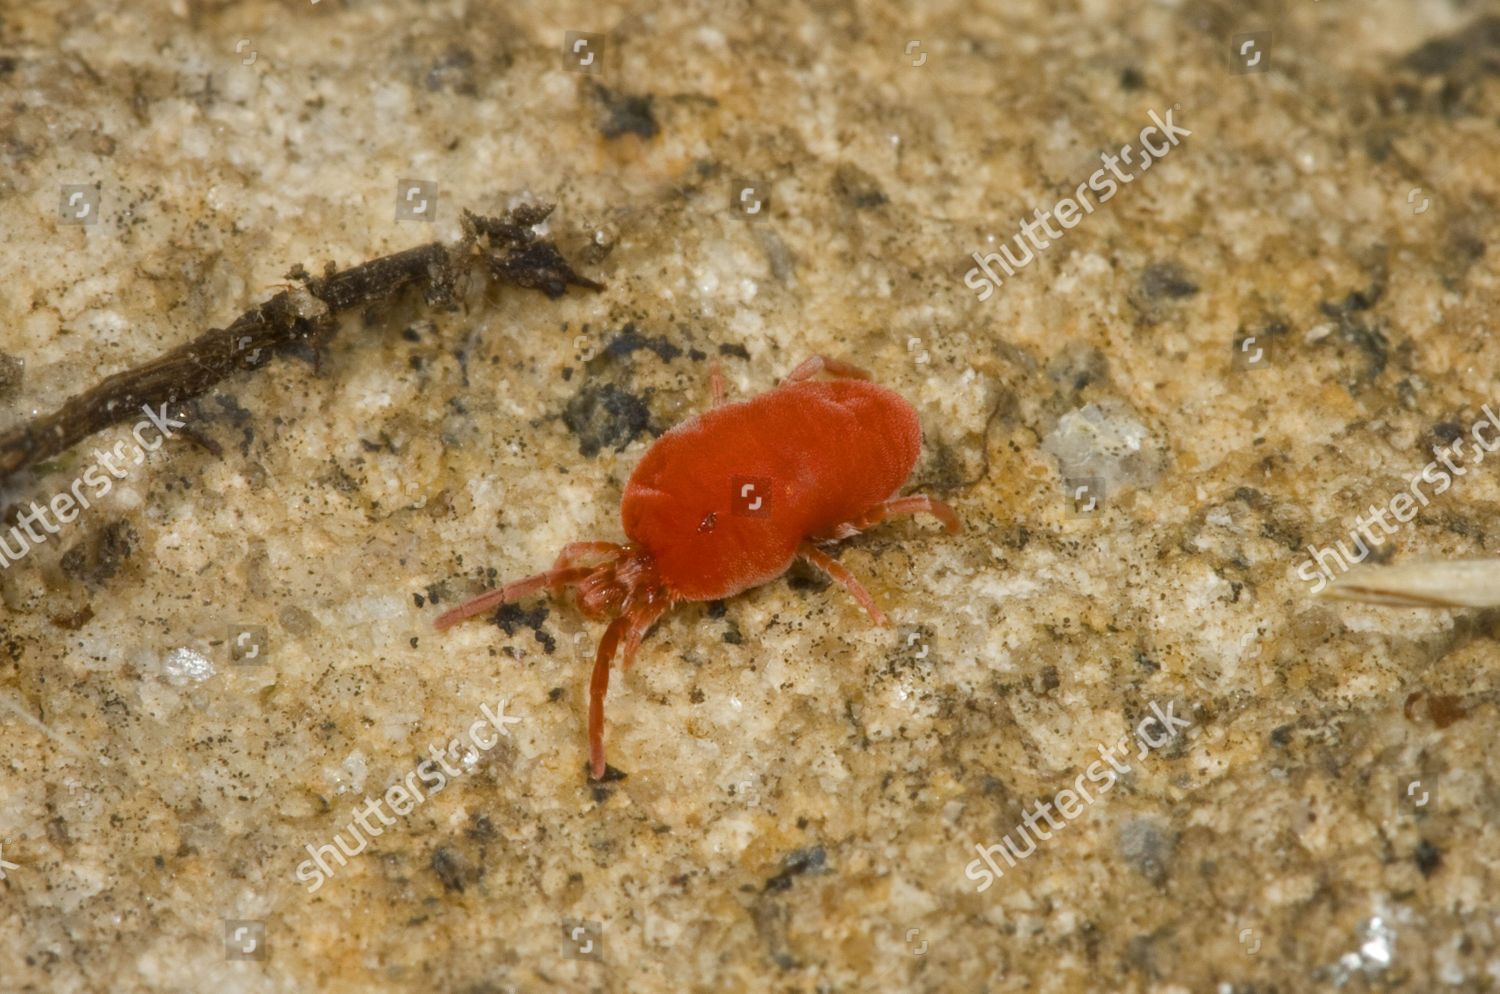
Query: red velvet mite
(727, 500)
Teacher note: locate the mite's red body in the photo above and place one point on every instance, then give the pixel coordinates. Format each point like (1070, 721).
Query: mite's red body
(813, 455)
(726, 501)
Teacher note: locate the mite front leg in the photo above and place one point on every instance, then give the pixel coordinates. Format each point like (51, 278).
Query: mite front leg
(822, 364)
(598, 687)
(640, 620)
(553, 580)
(574, 551)
(829, 565)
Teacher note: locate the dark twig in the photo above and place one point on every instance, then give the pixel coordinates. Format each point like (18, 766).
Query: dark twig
(308, 314)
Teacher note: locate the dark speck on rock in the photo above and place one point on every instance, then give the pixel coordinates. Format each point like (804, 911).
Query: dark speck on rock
(1477, 43)
(1370, 343)
(1131, 78)
(1147, 848)
(98, 557)
(11, 369)
(1166, 280)
(857, 188)
(803, 577)
(626, 114)
(512, 616)
(631, 340)
(738, 351)
(453, 71)
(1429, 857)
(603, 415)
(1446, 431)
(448, 865)
(796, 863)
(1355, 300)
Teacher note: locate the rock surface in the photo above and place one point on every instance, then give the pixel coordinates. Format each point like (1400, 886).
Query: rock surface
(212, 668)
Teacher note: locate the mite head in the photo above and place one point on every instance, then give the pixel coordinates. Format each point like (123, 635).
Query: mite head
(713, 540)
(618, 581)
(622, 579)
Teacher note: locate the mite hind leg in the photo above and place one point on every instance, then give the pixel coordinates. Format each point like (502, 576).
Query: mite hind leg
(912, 504)
(715, 383)
(814, 365)
(833, 568)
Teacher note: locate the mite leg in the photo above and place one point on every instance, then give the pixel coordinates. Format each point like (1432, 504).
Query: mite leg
(822, 364)
(553, 580)
(598, 687)
(913, 504)
(641, 619)
(715, 383)
(574, 551)
(828, 565)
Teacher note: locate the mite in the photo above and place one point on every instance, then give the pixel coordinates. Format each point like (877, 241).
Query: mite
(727, 500)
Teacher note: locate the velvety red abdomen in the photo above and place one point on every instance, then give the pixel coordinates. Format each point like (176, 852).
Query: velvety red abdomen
(812, 455)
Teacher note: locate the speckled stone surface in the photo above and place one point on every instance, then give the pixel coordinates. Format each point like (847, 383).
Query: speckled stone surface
(804, 792)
